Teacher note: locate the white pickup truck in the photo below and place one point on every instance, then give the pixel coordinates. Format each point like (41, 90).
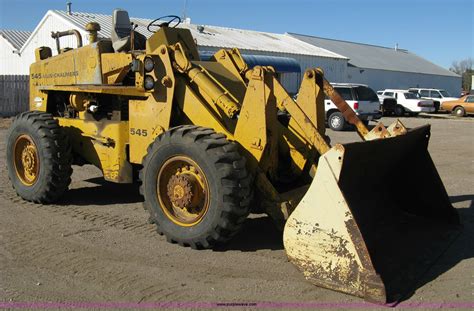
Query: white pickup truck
(408, 102)
(439, 96)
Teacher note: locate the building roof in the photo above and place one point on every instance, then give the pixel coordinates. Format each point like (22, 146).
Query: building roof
(377, 57)
(15, 37)
(212, 36)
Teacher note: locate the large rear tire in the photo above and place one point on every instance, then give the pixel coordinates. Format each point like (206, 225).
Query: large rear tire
(39, 157)
(196, 186)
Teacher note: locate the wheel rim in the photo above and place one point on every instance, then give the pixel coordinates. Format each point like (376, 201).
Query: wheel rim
(26, 160)
(183, 191)
(335, 122)
(459, 112)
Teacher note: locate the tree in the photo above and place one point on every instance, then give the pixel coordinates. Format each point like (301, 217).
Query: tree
(464, 69)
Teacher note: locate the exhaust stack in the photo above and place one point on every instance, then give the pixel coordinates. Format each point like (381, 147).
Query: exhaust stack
(92, 28)
(68, 8)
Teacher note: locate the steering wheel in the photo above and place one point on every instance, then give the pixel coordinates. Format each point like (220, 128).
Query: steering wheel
(166, 21)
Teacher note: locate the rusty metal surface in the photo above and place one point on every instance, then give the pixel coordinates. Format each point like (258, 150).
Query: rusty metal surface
(378, 132)
(322, 239)
(180, 190)
(373, 240)
(397, 128)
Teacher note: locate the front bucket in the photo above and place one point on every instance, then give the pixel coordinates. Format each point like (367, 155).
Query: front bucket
(375, 215)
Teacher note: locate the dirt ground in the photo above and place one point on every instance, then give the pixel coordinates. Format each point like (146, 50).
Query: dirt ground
(95, 246)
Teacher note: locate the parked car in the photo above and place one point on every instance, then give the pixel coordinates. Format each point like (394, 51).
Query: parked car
(360, 98)
(461, 106)
(408, 102)
(438, 96)
(387, 103)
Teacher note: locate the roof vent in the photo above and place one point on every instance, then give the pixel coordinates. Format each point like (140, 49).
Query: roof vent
(68, 7)
(200, 28)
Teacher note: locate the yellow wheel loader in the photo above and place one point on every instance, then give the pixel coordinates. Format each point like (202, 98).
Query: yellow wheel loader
(210, 140)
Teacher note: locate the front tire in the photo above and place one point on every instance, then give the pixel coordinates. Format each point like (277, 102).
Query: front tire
(39, 157)
(196, 186)
(336, 121)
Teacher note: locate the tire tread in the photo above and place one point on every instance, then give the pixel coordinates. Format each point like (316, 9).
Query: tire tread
(231, 170)
(57, 156)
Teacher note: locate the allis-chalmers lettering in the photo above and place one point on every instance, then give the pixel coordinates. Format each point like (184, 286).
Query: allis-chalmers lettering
(54, 75)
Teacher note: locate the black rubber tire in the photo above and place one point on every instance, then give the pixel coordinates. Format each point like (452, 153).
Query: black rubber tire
(55, 157)
(227, 176)
(459, 111)
(336, 121)
(399, 111)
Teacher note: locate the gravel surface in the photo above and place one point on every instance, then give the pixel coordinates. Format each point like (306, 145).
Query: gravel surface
(95, 245)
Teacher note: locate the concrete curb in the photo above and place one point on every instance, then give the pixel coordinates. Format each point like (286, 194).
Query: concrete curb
(443, 116)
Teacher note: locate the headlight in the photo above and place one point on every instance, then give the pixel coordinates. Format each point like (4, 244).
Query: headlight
(149, 64)
(149, 83)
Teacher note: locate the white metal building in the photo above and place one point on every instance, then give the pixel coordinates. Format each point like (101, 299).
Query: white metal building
(11, 42)
(381, 67)
(209, 39)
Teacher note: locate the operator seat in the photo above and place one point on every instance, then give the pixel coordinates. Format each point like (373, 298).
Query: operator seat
(121, 28)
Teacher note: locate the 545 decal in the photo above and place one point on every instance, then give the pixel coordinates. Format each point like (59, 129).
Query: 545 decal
(138, 132)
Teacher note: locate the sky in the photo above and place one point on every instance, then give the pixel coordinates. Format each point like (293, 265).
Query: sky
(441, 31)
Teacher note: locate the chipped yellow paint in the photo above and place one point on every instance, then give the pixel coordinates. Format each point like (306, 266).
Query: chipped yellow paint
(322, 239)
(152, 116)
(102, 143)
(115, 66)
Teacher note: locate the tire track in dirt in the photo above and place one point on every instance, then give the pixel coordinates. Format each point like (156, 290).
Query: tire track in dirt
(38, 246)
(88, 213)
(141, 227)
(45, 248)
(141, 275)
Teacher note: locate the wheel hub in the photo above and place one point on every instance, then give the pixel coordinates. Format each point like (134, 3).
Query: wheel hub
(183, 191)
(336, 122)
(26, 160)
(180, 191)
